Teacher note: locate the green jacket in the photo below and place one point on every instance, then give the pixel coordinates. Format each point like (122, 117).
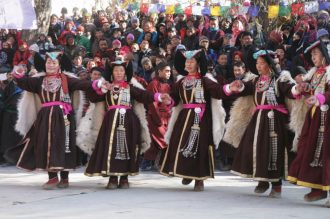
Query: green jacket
(85, 42)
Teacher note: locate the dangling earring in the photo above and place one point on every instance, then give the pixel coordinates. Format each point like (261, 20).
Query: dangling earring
(323, 61)
(125, 77)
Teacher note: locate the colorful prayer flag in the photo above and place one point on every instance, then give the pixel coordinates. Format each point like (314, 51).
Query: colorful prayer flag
(273, 11)
(215, 10)
(170, 9)
(298, 9)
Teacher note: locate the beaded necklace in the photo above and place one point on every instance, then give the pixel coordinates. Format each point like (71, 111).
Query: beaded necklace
(317, 79)
(263, 83)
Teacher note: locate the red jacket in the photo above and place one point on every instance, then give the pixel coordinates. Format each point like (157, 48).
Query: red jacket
(158, 113)
(21, 57)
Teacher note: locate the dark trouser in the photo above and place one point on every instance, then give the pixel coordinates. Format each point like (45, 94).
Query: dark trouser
(63, 174)
(278, 183)
(121, 177)
(264, 183)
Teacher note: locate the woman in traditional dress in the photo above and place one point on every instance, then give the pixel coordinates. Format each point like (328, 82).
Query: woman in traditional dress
(47, 119)
(119, 141)
(312, 163)
(189, 154)
(261, 152)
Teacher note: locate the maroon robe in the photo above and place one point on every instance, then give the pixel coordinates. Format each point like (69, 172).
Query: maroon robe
(103, 161)
(158, 117)
(301, 171)
(201, 166)
(252, 158)
(44, 144)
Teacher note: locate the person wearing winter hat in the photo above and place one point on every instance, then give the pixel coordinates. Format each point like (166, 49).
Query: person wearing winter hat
(323, 19)
(323, 34)
(129, 42)
(130, 38)
(135, 28)
(204, 43)
(34, 57)
(22, 54)
(116, 44)
(82, 40)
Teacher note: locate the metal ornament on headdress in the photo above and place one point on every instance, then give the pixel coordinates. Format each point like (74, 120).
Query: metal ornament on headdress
(190, 54)
(118, 62)
(53, 55)
(263, 53)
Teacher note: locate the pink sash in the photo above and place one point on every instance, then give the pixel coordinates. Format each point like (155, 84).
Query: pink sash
(281, 108)
(67, 108)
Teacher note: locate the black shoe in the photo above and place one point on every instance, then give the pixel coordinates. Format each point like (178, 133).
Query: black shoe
(147, 165)
(186, 181)
(223, 166)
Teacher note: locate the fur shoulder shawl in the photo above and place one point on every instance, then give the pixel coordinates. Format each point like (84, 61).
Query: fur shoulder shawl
(240, 115)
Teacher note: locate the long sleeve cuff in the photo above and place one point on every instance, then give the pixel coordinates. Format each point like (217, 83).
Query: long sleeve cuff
(17, 75)
(227, 90)
(157, 97)
(295, 93)
(96, 87)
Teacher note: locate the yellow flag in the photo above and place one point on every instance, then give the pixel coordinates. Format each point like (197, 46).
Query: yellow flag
(170, 9)
(273, 11)
(215, 10)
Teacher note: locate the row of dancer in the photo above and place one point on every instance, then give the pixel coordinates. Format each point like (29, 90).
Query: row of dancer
(196, 126)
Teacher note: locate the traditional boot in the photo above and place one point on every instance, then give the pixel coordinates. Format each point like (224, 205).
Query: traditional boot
(64, 183)
(123, 183)
(315, 195)
(50, 184)
(186, 181)
(113, 183)
(275, 192)
(199, 185)
(262, 187)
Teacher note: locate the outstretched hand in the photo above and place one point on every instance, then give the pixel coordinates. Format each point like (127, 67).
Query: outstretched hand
(105, 85)
(18, 70)
(166, 99)
(236, 86)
